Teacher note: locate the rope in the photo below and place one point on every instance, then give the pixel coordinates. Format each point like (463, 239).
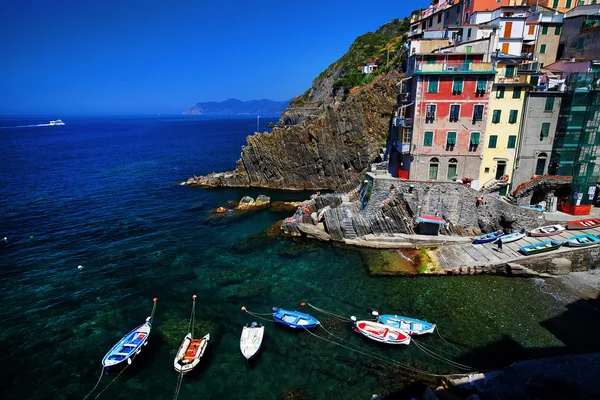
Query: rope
(153, 309)
(432, 348)
(193, 316)
(443, 359)
(437, 329)
(111, 382)
(97, 383)
(259, 317)
(330, 313)
(178, 387)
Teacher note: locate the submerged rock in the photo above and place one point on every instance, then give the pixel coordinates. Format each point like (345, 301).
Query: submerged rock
(314, 232)
(174, 330)
(233, 276)
(221, 210)
(285, 206)
(246, 290)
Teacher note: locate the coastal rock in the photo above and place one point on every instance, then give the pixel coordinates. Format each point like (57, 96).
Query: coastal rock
(284, 206)
(262, 200)
(246, 202)
(221, 210)
(560, 266)
(314, 232)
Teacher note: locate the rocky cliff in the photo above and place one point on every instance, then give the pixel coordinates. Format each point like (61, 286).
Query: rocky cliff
(238, 107)
(330, 134)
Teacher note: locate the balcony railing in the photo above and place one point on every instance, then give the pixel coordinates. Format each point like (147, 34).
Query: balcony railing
(415, 32)
(402, 147)
(514, 79)
(423, 67)
(404, 122)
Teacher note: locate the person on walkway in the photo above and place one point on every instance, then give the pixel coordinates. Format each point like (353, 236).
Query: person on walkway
(499, 243)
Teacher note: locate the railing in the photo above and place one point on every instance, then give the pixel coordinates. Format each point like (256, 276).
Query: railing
(402, 147)
(422, 66)
(415, 32)
(514, 79)
(529, 67)
(404, 122)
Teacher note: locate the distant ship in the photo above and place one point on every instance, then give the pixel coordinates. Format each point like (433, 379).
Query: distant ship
(57, 122)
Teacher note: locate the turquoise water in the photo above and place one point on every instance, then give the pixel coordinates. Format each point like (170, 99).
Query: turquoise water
(104, 194)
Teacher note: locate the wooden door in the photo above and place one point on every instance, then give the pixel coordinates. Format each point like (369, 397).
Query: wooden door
(507, 29)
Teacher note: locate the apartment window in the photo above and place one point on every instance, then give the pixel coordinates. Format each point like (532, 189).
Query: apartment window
(478, 112)
(469, 49)
(433, 169)
(545, 130)
(430, 113)
(545, 30)
(466, 18)
(580, 42)
(430, 60)
(512, 142)
(474, 141)
(496, 116)
(509, 71)
(512, 118)
(505, 48)
(493, 141)
(481, 84)
(450, 141)
(469, 33)
(516, 93)
(500, 92)
(454, 112)
(439, 18)
(557, 30)
(428, 139)
(531, 30)
(433, 84)
(549, 104)
(452, 168)
(568, 4)
(447, 14)
(430, 22)
(555, 4)
(543, 49)
(457, 86)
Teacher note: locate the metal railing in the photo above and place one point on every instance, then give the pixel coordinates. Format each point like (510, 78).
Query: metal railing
(422, 66)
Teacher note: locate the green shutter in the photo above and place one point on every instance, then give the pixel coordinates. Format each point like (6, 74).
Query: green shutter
(568, 4)
(555, 4)
(433, 84)
(549, 104)
(496, 116)
(481, 83)
(516, 93)
(430, 60)
(512, 142)
(493, 140)
(500, 92)
(580, 42)
(543, 49)
(557, 30)
(458, 84)
(475, 137)
(428, 140)
(510, 71)
(451, 138)
(512, 118)
(545, 30)
(545, 129)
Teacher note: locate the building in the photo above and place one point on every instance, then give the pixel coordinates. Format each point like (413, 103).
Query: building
(440, 14)
(473, 6)
(548, 28)
(504, 125)
(442, 120)
(561, 6)
(369, 68)
(581, 33)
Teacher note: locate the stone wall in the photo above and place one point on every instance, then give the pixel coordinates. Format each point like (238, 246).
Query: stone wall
(581, 259)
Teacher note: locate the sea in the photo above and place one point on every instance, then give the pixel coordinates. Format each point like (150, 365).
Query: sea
(97, 225)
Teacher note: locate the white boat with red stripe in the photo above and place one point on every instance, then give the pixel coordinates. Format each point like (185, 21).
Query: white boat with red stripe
(380, 332)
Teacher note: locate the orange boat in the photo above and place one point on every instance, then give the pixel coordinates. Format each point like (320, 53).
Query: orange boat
(587, 223)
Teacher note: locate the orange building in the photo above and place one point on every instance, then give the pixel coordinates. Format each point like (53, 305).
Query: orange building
(472, 6)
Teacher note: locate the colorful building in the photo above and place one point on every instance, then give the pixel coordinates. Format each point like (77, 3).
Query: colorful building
(581, 33)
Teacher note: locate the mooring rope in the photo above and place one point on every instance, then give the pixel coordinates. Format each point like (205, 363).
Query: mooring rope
(440, 335)
(97, 383)
(178, 387)
(119, 374)
(193, 316)
(330, 313)
(433, 348)
(257, 315)
(153, 309)
(443, 359)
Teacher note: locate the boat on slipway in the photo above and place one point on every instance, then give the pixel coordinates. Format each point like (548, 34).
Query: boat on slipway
(513, 237)
(549, 230)
(294, 319)
(381, 333)
(130, 345)
(410, 325)
(541, 247)
(191, 350)
(251, 339)
(580, 224)
(583, 240)
(490, 237)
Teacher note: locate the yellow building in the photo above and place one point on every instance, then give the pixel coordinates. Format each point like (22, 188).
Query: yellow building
(503, 128)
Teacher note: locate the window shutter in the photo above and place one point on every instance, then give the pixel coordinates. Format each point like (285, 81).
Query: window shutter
(545, 129)
(510, 71)
(478, 112)
(457, 86)
(516, 93)
(475, 137)
(512, 142)
(451, 138)
(493, 141)
(433, 84)
(428, 140)
(512, 118)
(481, 84)
(549, 104)
(496, 116)
(500, 93)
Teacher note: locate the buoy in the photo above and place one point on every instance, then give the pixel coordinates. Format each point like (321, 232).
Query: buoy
(5, 239)
(155, 299)
(194, 296)
(243, 308)
(303, 304)
(80, 267)
(129, 361)
(375, 313)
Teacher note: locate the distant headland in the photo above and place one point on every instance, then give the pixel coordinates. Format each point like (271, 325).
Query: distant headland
(238, 107)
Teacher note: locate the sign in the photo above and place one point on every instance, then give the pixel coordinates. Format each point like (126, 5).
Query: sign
(591, 192)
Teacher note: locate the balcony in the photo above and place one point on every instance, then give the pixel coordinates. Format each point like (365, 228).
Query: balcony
(415, 32)
(422, 68)
(590, 22)
(529, 67)
(403, 148)
(403, 122)
(517, 79)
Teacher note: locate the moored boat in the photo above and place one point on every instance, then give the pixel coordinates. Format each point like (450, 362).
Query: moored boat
(583, 240)
(535, 207)
(191, 350)
(380, 332)
(251, 339)
(130, 345)
(490, 237)
(294, 319)
(411, 325)
(549, 230)
(541, 247)
(587, 223)
(513, 237)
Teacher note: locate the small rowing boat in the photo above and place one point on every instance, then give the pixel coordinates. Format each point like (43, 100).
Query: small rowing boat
(513, 237)
(490, 237)
(583, 240)
(411, 325)
(535, 207)
(587, 223)
(541, 247)
(130, 345)
(191, 350)
(380, 332)
(251, 339)
(549, 230)
(294, 319)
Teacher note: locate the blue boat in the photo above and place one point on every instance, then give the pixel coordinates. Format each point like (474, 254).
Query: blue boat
(535, 207)
(583, 240)
(294, 319)
(490, 237)
(410, 325)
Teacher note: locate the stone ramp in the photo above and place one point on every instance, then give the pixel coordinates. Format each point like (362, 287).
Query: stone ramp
(480, 255)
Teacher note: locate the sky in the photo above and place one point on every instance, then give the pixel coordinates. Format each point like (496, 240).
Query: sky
(148, 57)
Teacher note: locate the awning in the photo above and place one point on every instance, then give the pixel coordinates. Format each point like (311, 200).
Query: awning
(451, 138)
(529, 42)
(430, 219)
(475, 137)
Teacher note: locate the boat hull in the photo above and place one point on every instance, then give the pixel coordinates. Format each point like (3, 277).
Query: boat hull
(545, 231)
(251, 339)
(581, 224)
(128, 346)
(583, 240)
(294, 319)
(490, 237)
(513, 237)
(411, 325)
(382, 333)
(190, 352)
(541, 247)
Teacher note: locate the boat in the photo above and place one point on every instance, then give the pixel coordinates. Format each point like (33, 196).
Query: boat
(541, 247)
(549, 230)
(380, 332)
(490, 237)
(411, 325)
(583, 240)
(294, 319)
(587, 223)
(251, 339)
(535, 207)
(513, 237)
(191, 350)
(130, 345)
(56, 122)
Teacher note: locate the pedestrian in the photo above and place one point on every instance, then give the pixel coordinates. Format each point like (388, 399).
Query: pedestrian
(499, 243)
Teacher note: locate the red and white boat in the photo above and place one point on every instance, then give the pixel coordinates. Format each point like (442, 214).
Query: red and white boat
(549, 230)
(587, 223)
(380, 332)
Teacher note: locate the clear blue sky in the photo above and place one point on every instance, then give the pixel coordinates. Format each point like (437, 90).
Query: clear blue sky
(129, 56)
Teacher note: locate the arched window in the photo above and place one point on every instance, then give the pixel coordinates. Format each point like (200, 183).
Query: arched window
(434, 166)
(452, 169)
(540, 166)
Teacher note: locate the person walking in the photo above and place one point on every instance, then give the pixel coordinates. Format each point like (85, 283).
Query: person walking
(499, 243)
